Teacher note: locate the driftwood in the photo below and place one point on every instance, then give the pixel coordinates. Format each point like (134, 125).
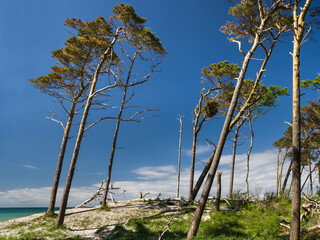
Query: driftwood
(309, 207)
(99, 193)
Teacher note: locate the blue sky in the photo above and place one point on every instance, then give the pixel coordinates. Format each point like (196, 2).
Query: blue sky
(189, 30)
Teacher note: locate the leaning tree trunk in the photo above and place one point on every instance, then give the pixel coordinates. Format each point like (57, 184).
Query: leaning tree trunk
(113, 148)
(298, 33)
(223, 136)
(63, 147)
(179, 157)
(234, 149)
(114, 143)
(76, 150)
(201, 178)
(193, 159)
(284, 185)
(248, 155)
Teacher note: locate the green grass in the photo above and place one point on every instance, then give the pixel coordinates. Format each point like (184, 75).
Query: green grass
(32, 230)
(242, 220)
(258, 220)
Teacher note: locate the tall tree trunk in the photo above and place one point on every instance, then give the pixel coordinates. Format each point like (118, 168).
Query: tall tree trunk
(63, 147)
(113, 148)
(234, 149)
(76, 150)
(193, 159)
(217, 203)
(223, 136)
(115, 137)
(248, 155)
(179, 157)
(299, 27)
(278, 179)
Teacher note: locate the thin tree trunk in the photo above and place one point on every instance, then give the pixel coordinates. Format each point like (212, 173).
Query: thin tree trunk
(286, 179)
(115, 136)
(299, 27)
(223, 136)
(278, 179)
(217, 203)
(179, 157)
(248, 155)
(310, 176)
(280, 176)
(235, 140)
(76, 150)
(113, 148)
(193, 159)
(63, 147)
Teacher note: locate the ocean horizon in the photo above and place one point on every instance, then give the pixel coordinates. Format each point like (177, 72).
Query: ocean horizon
(8, 213)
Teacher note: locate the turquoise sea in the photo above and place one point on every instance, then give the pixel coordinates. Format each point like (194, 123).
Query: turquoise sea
(11, 213)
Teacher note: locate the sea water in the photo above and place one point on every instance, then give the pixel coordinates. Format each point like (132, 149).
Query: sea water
(11, 213)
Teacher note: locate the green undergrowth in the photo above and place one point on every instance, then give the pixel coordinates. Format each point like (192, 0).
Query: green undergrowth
(39, 228)
(241, 220)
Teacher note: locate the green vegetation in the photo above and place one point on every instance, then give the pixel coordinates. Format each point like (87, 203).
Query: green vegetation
(241, 220)
(34, 230)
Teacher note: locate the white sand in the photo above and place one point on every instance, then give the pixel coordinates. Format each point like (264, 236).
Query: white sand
(86, 221)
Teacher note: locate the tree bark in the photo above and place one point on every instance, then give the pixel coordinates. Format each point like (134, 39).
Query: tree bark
(179, 157)
(278, 179)
(113, 149)
(286, 179)
(223, 136)
(193, 159)
(248, 155)
(63, 147)
(310, 176)
(234, 149)
(76, 150)
(298, 33)
(202, 177)
(217, 203)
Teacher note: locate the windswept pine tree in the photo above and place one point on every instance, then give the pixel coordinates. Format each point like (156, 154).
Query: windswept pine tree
(69, 80)
(258, 21)
(125, 28)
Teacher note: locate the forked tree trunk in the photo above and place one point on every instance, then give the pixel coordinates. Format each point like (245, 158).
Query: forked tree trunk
(248, 155)
(223, 136)
(217, 203)
(179, 157)
(298, 33)
(63, 147)
(76, 150)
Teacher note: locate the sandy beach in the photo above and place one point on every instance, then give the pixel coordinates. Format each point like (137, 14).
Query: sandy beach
(86, 221)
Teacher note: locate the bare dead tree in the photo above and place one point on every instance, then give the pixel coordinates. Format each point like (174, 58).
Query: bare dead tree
(179, 156)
